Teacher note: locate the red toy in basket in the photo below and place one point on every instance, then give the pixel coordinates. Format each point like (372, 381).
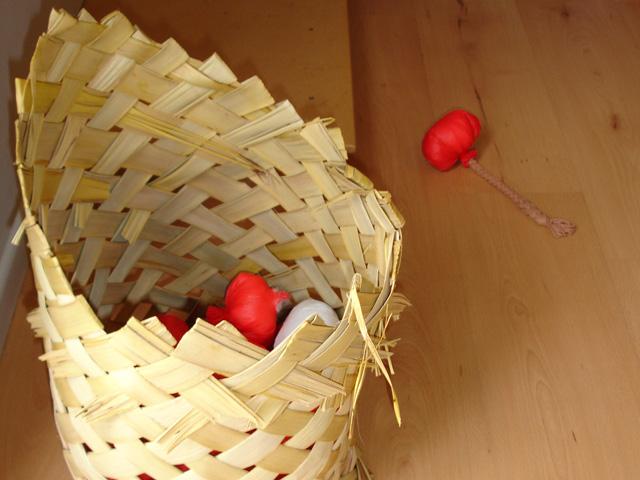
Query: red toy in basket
(177, 327)
(252, 306)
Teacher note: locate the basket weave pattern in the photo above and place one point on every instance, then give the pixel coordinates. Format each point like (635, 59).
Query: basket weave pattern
(151, 178)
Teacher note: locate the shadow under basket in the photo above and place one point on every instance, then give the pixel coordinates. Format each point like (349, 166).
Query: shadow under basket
(149, 180)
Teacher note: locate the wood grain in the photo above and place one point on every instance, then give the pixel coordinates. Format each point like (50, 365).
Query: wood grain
(520, 358)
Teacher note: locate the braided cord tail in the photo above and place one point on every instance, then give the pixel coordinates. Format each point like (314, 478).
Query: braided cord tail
(559, 227)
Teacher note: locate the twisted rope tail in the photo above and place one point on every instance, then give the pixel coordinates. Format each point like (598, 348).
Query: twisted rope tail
(559, 227)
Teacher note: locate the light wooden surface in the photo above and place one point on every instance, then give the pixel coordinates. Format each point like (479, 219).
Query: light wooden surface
(520, 358)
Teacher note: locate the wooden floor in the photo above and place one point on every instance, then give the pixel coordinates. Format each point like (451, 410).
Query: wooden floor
(520, 359)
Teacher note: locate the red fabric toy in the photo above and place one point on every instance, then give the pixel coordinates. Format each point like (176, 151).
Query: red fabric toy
(450, 139)
(177, 327)
(252, 307)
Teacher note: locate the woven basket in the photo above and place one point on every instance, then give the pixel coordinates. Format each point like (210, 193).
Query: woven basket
(149, 180)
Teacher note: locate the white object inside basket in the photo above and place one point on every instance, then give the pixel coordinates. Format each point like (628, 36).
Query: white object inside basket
(303, 311)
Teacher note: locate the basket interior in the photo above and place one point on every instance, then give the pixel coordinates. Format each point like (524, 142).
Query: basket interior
(157, 177)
